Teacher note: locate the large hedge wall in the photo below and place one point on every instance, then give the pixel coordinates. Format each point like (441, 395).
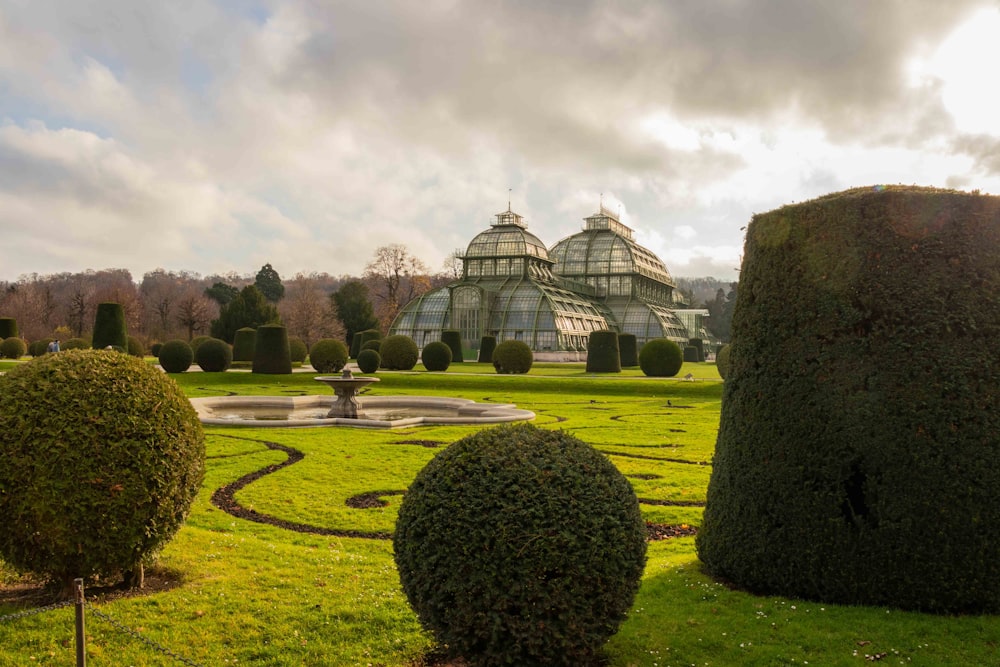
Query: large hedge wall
(602, 352)
(858, 455)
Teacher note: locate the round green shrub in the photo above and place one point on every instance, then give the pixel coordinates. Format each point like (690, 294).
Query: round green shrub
(135, 347)
(75, 344)
(690, 354)
(399, 353)
(372, 345)
(39, 347)
(858, 457)
(369, 361)
(328, 356)
(486, 346)
(154, 349)
(8, 328)
(109, 327)
(214, 356)
(453, 339)
(244, 341)
(297, 350)
(602, 352)
(362, 337)
(722, 361)
(660, 357)
(198, 340)
(628, 350)
(95, 479)
(512, 356)
(176, 356)
(520, 546)
(436, 356)
(13, 348)
(271, 354)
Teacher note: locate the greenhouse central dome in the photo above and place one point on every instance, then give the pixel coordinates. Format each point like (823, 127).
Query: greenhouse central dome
(513, 288)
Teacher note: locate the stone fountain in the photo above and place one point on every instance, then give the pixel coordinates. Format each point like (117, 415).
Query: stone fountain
(346, 387)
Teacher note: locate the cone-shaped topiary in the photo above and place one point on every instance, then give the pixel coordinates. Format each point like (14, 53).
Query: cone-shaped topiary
(399, 353)
(94, 479)
(722, 361)
(858, 455)
(660, 357)
(214, 356)
(369, 361)
(328, 356)
(520, 546)
(436, 356)
(271, 354)
(690, 354)
(175, 356)
(602, 352)
(244, 340)
(297, 350)
(8, 328)
(628, 350)
(453, 339)
(13, 348)
(699, 345)
(486, 346)
(109, 327)
(512, 356)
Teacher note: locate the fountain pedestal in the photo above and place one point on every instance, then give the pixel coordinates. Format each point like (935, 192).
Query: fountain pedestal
(346, 387)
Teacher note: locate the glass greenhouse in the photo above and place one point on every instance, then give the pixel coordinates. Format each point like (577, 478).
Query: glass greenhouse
(513, 288)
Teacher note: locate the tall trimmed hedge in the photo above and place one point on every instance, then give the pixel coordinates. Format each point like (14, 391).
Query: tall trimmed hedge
(628, 350)
(486, 346)
(244, 340)
(699, 345)
(691, 354)
(362, 337)
(858, 454)
(603, 355)
(8, 328)
(520, 546)
(453, 339)
(109, 327)
(271, 352)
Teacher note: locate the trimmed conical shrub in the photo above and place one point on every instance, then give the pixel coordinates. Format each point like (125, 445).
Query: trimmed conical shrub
(271, 352)
(858, 455)
(602, 352)
(628, 350)
(109, 327)
(8, 327)
(486, 346)
(244, 341)
(453, 339)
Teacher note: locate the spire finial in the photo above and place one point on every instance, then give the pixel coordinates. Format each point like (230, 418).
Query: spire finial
(509, 190)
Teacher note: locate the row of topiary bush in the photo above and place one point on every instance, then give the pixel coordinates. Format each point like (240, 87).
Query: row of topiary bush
(14, 348)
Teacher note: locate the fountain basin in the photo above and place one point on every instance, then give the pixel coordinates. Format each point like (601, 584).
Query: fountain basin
(379, 411)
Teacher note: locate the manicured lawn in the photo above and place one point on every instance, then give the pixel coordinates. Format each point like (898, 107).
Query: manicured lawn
(252, 593)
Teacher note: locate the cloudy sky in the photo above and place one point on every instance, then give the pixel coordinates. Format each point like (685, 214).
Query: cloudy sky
(217, 136)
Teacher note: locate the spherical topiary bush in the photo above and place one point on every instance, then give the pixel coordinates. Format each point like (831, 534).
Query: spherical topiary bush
(369, 361)
(13, 348)
(135, 347)
(175, 356)
(198, 340)
(399, 353)
(244, 341)
(628, 350)
(858, 455)
(436, 356)
(8, 328)
(486, 346)
(374, 344)
(512, 356)
(660, 357)
(297, 350)
(271, 354)
(75, 344)
(94, 479)
(154, 349)
(602, 352)
(722, 361)
(362, 337)
(109, 327)
(453, 339)
(39, 347)
(328, 355)
(214, 356)
(520, 546)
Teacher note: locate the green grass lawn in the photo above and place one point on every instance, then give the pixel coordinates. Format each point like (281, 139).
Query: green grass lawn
(254, 594)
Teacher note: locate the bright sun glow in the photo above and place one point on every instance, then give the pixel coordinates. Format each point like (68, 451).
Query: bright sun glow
(966, 66)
